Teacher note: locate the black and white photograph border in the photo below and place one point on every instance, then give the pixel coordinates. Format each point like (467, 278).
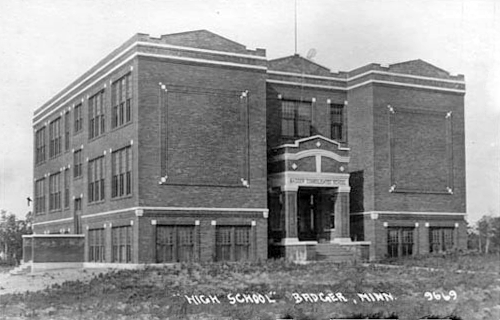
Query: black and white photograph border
(284, 159)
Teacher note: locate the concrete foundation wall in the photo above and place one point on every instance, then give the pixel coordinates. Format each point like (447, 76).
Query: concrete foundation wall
(57, 248)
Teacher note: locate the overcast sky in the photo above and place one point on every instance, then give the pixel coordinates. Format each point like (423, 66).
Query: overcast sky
(45, 45)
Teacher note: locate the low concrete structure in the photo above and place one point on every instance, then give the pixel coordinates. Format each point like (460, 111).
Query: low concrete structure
(53, 251)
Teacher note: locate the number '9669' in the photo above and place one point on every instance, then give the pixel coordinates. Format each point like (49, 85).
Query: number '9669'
(451, 295)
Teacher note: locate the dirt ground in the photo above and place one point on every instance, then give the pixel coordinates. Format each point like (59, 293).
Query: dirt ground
(39, 281)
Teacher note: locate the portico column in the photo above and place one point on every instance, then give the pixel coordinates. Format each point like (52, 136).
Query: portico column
(289, 207)
(342, 215)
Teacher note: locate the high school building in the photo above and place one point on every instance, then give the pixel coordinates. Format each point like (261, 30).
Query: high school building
(191, 147)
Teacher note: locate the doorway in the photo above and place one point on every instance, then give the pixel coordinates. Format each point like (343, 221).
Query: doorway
(308, 214)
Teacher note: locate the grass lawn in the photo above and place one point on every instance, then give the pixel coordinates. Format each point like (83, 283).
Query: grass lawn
(267, 290)
(455, 262)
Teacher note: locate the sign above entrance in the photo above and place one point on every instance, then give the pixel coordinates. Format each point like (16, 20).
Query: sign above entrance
(315, 182)
(292, 180)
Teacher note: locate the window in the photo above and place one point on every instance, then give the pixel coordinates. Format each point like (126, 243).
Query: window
(295, 119)
(67, 129)
(78, 204)
(40, 145)
(232, 243)
(399, 242)
(440, 239)
(40, 196)
(121, 99)
(97, 247)
(121, 172)
(77, 163)
(66, 188)
(55, 138)
(174, 243)
(55, 191)
(121, 244)
(78, 118)
(96, 115)
(96, 174)
(336, 121)
(78, 210)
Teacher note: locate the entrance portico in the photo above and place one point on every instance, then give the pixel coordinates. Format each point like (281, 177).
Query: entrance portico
(309, 194)
(315, 207)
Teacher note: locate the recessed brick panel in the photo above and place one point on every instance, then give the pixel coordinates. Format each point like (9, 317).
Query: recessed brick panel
(420, 149)
(212, 149)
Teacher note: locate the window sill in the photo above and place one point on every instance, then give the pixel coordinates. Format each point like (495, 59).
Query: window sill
(121, 197)
(94, 203)
(121, 126)
(97, 137)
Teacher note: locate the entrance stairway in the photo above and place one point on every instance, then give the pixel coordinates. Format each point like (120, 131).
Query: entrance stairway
(23, 268)
(333, 252)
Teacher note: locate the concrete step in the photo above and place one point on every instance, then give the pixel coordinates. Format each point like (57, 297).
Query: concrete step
(21, 269)
(333, 252)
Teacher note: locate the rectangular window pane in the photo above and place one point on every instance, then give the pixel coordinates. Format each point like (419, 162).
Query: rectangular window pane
(337, 121)
(392, 242)
(96, 115)
(40, 145)
(96, 179)
(121, 172)
(121, 101)
(121, 244)
(40, 196)
(296, 118)
(77, 163)
(242, 243)
(78, 118)
(223, 243)
(97, 245)
(165, 244)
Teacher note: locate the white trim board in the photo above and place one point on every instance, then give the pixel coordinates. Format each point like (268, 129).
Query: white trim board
(393, 74)
(52, 221)
(182, 48)
(54, 235)
(310, 153)
(412, 213)
(296, 143)
(309, 85)
(178, 209)
(364, 83)
(402, 84)
(216, 62)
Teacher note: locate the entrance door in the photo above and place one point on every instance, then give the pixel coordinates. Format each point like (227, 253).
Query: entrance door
(307, 214)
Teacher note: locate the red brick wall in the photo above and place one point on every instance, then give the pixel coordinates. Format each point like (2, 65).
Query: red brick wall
(144, 234)
(112, 139)
(368, 125)
(376, 232)
(361, 142)
(57, 249)
(320, 121)
(201, 187)
(204, 232)
(417, 99)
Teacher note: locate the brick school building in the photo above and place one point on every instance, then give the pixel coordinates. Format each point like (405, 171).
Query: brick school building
(191, 147)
